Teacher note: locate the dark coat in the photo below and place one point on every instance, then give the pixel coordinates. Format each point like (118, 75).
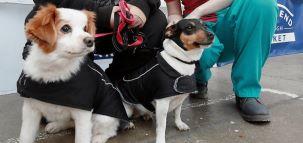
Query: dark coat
(88, 89)
(155, 80)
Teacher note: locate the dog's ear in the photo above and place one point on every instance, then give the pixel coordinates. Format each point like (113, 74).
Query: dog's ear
(171, 31)
(42, 28)
(90, 26)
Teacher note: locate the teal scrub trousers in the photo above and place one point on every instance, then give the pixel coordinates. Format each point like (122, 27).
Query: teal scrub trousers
(243, 35)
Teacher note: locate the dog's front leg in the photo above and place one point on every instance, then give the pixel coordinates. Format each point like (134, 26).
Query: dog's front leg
(178, 121)
(129, 109)
(162, 107)
(83, 126)
(57, 126)
(30, 123)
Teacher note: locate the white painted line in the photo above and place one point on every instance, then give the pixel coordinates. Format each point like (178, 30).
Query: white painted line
(7, 92)
(280, 92)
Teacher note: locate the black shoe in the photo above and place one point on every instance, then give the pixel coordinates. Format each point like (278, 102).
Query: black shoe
(252, 110)
(202, 91)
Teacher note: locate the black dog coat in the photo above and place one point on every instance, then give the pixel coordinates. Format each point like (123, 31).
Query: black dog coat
(89, 89)
(155, 80)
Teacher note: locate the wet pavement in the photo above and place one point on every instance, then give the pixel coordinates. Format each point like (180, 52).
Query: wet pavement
(212, 121)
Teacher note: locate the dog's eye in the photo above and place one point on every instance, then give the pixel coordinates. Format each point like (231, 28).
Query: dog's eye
(189, 27)
(85, 28)
(66, 29)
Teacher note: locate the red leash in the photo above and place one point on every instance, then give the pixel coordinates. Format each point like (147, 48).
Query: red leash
(126, 18)
(103, 34)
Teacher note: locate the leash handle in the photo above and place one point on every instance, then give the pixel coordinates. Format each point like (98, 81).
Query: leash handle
(125, 16)
(125, 19)
(139, 38)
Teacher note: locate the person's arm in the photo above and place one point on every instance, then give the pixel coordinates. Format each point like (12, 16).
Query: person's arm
(209, 7)
(37, 5)
(146, 6)
(174, 11)
(103, 13)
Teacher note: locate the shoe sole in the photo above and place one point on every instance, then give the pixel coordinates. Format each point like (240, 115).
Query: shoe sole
(256, 118)
(199, 96)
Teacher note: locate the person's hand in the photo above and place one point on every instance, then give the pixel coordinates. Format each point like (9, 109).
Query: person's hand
(139, 16)
(137, 23)
(173, 19)
(192, 15)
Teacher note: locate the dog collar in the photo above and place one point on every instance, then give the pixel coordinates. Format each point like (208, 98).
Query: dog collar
(186, 62)
(176, 51)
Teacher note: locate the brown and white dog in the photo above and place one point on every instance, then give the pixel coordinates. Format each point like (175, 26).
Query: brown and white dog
(62, 38)
(163, 84)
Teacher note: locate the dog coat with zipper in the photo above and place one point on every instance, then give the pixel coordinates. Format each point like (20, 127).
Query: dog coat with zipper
(89, 89)
(155, 80)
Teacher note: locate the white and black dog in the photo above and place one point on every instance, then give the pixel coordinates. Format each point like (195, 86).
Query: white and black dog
(164, 83)
(61, 84)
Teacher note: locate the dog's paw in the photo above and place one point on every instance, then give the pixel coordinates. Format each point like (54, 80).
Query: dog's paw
(130, 126)
(53, 127)
(182, 126)
(98, 139)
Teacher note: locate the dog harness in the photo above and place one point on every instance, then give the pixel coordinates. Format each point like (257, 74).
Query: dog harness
(156, 80)
(89, 89)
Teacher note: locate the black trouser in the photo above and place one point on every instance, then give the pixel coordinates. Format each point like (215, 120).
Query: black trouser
(133, 58)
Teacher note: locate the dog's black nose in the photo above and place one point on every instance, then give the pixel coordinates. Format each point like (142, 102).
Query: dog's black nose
(88, 41)
(210, 36)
